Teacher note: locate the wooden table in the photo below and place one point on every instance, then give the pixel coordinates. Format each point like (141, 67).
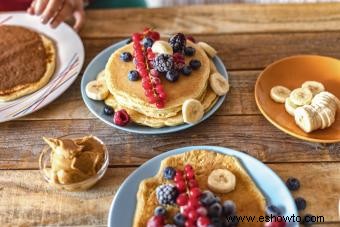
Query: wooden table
(248, 37)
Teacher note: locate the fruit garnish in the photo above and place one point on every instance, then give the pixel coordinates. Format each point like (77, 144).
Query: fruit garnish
(163, 63)
(172, 75)
(182, 199)
(156, 221)
(300, 203)
(160, 211)
(162, 47)
(178, 42)
(189, 51)
(166, 194)
(121, 118)
(221, 181)
(108, 110)
(133, 75)
(179, 61)
(195, 64)
(191, 38)
(126, 56)
(169, 173)
(143, 61)
(186, 70)
(179, 219)
(293, 184)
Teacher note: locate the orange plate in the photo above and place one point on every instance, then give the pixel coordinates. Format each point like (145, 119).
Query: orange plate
(291, 72)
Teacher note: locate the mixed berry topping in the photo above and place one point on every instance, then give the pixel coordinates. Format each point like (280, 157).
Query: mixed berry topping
(189, 51)
(172, 75)
(186, 70)
(195, 208)
(163, 63)
(195, 64)
(121, 118)
(179, 61)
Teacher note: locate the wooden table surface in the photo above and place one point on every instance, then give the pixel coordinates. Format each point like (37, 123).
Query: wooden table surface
(247, 37)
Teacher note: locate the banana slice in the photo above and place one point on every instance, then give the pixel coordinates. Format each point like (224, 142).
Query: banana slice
(301, 96)
(333, 97)
(219, 84)
(162, 47)
(305, 118)
(221, 181)
(211, 52)
(279, 93)
(290, 106)
(101, 75)
(192, 111)
(314, 86)
(97, 90)
(325, 99)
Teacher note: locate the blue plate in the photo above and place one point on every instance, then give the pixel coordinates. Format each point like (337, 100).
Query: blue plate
(276, 193)
(96, 107)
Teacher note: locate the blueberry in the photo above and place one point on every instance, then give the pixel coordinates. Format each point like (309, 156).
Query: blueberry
(189, 51)
(273, 210)
(293, 184)
(172, 75)
(207, 198)
(147, 42)
(108, 110)
(133, 75)
(179, 219)
(186, 70)
(169, 173)
(160, 211)
(126, 56)
(300, 203)
(229, 208)
(195, 64)
(215, 210)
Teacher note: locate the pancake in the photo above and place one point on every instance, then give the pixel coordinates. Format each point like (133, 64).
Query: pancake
(247, 197)
(208, 99)
(27, 61)
(131, 93)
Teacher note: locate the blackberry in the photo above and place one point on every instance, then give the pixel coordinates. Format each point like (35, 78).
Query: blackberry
(126, 56)
(186, 70)
(178, 42)
(195, 64)
(300, 203)
(133, 75)
(163, 63)
(169, 173)
(189, 51)
(293, 184)
(172, 75)
(166, 194)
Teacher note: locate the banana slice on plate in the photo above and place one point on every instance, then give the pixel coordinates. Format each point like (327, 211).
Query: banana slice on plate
(326, 99)
(306, 118)
(279, 93)
(211, 52)
(101, 75)
(301, 96)
(192, 111)
(314, 86)
(162, 47)
(97, 90)
(221, 181)
(219, 84)
(333, 97)
(290, 106)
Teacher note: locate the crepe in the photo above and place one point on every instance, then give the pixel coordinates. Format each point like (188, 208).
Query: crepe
(247, 197)
(21, 87)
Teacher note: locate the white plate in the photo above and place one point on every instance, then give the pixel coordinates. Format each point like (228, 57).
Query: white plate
(123, 205)
(70, 59)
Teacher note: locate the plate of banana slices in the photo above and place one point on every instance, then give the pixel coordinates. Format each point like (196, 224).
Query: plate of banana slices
(300, 95)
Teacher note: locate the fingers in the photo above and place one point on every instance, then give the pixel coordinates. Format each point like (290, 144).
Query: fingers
(30, 10)
(79, 16)
(40, 6)
(65, 13)
(52, 7)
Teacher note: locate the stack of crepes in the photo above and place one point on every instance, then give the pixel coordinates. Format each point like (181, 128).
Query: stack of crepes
(129, 95)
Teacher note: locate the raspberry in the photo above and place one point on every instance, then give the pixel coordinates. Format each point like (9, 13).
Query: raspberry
(178, 42)
(163, 63)
(156, 221)
(166, 194)
(179, 61)
(121, 118)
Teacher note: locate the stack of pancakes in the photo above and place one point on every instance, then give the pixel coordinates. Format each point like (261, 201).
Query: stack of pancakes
(27, 61)
(129, 95)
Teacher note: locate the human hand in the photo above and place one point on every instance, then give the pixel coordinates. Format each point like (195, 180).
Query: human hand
(56, 11)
